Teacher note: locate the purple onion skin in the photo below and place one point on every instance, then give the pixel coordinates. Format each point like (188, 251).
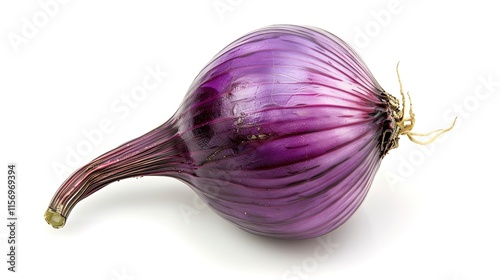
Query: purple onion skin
(281, 133)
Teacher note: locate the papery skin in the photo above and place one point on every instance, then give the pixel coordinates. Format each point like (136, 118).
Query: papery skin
(281, 133)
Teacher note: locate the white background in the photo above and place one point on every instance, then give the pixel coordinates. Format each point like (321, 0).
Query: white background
(432, 212)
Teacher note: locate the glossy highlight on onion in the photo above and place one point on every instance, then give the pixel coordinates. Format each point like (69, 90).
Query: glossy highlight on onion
(281, 133)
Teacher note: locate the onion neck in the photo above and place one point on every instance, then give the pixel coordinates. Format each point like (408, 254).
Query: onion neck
(160, 152)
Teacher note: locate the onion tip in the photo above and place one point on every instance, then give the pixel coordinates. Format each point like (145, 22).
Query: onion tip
(54, 219)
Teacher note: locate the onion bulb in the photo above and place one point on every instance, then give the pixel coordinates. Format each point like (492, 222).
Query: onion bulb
(281, 133)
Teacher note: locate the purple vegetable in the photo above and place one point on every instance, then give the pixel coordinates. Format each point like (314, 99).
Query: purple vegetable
(281, 133)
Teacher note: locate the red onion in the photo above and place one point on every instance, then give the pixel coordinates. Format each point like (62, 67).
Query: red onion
(281, 133)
